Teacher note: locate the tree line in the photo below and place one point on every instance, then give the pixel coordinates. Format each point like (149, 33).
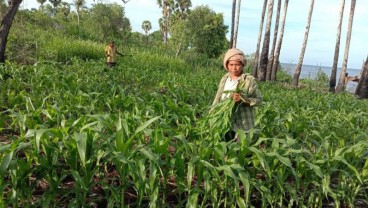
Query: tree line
(184, 29)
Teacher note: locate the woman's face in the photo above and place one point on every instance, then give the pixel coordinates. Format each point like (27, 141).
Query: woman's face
(235, 68)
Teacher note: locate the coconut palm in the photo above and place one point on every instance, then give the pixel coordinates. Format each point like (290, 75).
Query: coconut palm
(337, 49)
(341, 86)
(362, 88)
(237, 24)
(232, 24)
(275, 33)
(78, 5)
(146, 27)
(279, 43)
(256, 55)
(298, 68)
(266, 44)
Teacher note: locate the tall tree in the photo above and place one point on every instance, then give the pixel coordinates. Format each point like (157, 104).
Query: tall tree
(233, 10)
(275, 33)
(337, 49)
(107, 21)
(256, 54)
(275, 62)
(5, 26)
(78, 5)
(166, 6)
(146, 27)
(301, 57)
(180, 10)
(362, 88)
(237, 24)
(266, 44)
(341, 85)
(207, 31)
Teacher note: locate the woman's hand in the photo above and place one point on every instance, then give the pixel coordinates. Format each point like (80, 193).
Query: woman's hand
(236, 97)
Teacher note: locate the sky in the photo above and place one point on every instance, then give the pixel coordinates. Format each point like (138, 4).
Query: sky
(322, 34)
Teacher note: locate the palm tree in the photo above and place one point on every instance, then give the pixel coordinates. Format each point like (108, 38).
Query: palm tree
(78, 5)
(146, 26)
(301, 57)
(237, 24)
(362, 88)
(167, 7)
(337, 47)
(232, 24)
(279, 43)
(341, 86)
(275, 32)
(256, 55)
(266, 44)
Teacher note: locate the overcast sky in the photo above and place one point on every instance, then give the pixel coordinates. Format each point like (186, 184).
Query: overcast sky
(322, 34)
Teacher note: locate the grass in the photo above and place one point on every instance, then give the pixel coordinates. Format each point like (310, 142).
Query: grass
(81, 134)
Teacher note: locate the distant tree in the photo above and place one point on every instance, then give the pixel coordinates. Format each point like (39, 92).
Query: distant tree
(166, 6)
(146, 27)
(65, 9)
(207, 31)
(362, 88)
(256, 54)
(233, 10)
(55, 4)
(337, 49)
(78, 5)
(181, 9)
(301, 57)
(275, 33)
(5, 26)
(341, 85)
(266, 44)
(178, 32)
(107, 21)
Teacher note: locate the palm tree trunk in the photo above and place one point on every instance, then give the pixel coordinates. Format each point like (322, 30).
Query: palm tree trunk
(301, 57)
(232, 24)
(237, 25)
(341, 86)
(6, 23)
(337, 50)
(362, 88)
(256, 55)
(279, 43)
(275, 33)
(266, 44)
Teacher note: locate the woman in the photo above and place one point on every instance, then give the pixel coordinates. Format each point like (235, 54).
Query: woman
(242, 88)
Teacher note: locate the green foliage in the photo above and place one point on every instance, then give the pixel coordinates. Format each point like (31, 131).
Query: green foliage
(207, 31)
(133, 136)
(63, 50)
(106, 21)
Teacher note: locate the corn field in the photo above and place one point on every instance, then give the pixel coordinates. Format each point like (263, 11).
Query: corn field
(140, 135)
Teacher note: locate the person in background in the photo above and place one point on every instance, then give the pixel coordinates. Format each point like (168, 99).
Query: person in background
(111, 54)
(243, 90)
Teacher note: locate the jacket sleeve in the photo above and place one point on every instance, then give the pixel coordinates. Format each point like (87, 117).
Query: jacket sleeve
(250, 94)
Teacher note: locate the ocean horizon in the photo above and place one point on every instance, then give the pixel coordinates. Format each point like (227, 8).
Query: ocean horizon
(310, 72)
